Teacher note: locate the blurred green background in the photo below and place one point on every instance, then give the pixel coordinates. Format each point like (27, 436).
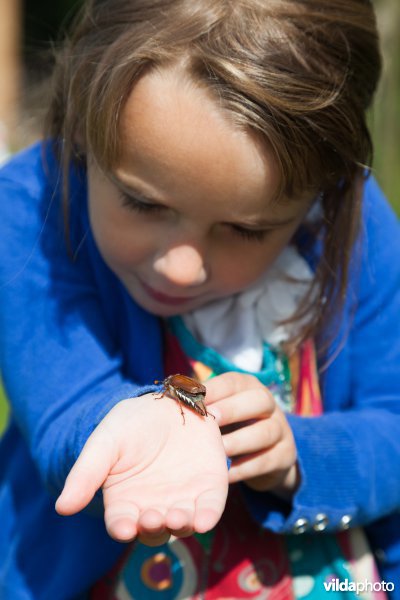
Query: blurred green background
(385, 116)
(44, 19)
(3, 410)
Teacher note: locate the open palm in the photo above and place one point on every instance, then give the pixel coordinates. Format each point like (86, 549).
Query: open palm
(158, 475)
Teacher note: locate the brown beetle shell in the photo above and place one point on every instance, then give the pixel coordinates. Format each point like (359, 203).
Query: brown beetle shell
(187, 390)
(188, 384)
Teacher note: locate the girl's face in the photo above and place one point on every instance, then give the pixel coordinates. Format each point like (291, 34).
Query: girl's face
(188, 214)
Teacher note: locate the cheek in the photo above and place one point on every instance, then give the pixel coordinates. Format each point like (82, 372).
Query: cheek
(120, 238)
(125, 249)
(241, 267)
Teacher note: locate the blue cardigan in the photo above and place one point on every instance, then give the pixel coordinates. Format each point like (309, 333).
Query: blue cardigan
(73, 343)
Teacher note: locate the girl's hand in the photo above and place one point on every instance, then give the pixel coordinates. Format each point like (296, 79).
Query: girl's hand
(256, 434)
(158, 476)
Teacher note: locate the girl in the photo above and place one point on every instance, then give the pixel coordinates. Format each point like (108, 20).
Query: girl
(211, 159)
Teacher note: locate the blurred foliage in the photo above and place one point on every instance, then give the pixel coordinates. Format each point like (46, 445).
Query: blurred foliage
(44, 19)
(385, 117)
(3, 410)
(44, 23)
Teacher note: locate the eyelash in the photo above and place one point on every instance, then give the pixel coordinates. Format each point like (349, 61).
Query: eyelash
(132, 203)
(252, 235)
(142, 207)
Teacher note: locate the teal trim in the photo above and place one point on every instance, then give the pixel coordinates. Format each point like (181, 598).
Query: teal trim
(192, 348)
(317, 558)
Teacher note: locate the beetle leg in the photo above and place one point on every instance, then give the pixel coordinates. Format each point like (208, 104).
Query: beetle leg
(210, 413)
(180, 406)
(162, 394)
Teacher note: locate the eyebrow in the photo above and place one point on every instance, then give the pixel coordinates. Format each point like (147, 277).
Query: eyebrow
(269, 222)
(146, 197)
(136, 191)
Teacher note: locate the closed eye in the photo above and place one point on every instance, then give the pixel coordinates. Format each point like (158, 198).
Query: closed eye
(146, 207)
(257, 235)
(140, 206)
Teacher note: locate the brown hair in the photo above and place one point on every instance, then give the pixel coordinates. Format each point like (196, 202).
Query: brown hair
(302, 73)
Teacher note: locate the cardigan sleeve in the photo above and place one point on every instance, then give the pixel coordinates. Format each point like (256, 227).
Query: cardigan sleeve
(62, 364)
(349, 458)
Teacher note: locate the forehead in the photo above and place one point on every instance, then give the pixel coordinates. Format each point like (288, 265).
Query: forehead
(178, 140)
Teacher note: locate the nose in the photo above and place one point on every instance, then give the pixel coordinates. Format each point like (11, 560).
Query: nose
(182, 265)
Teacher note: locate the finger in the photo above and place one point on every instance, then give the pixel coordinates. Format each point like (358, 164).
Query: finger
(152, 520)
(152, 529)
(228, 384)
(269, 463)
(180, 518)
(182, 533)
(244, 406)
(209, 509)
(88, 473)
(121, 519)
(154, 540)
(284, 484)
(250, 466)
(260, 435)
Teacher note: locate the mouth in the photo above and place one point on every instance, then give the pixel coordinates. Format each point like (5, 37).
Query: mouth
(164, 298)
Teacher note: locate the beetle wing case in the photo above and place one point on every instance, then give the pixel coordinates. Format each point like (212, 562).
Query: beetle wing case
(187, 390)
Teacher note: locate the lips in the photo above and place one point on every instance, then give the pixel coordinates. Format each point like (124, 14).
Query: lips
(164, 298)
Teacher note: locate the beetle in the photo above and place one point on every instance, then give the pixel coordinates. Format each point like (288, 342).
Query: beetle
(187, 390)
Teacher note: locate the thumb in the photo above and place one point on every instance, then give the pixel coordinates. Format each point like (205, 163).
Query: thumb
(88, 473)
